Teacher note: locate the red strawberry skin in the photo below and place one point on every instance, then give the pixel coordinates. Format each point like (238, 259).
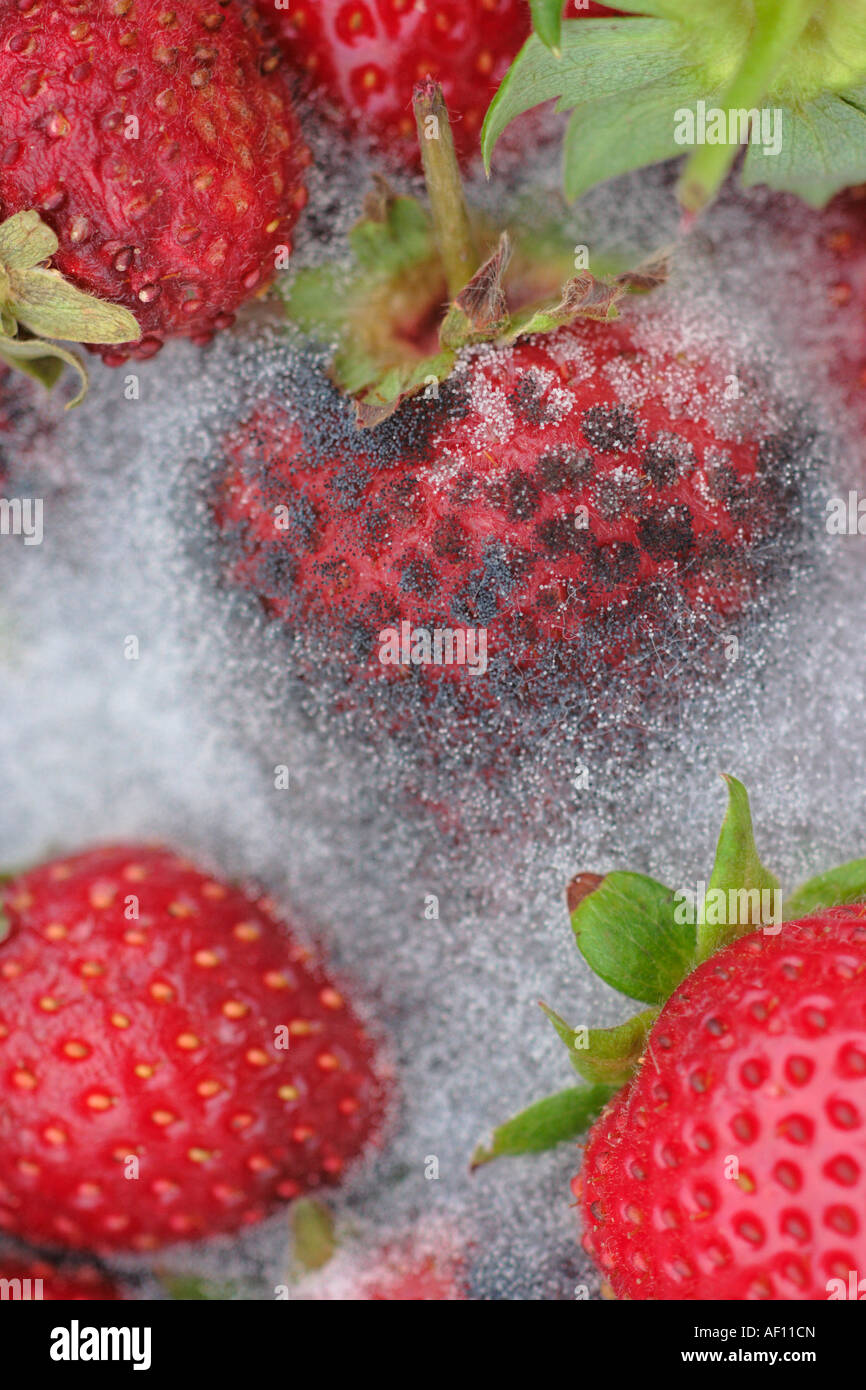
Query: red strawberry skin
(180, 223)
(364, 58)
(155, 1037)
(422, 1280)
(463, 513)
(60, 1285)
(759, 1057)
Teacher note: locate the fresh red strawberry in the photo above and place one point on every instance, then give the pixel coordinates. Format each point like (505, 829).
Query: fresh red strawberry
(731, 1163)
(36, 1280)
(364, 57)
(469, 513)
(161, 146)
(759, 1057)
(172, 1064)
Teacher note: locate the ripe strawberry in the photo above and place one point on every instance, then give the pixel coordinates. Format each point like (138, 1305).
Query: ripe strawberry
(161, 146)
(172, 1065)
(760, 1055)
(362, 60)
(731, 1164)
(73, 1284)
(574, 495)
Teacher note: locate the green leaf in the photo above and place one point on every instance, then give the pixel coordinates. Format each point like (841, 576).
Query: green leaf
(548, 1122)
(600, 58)
(314, 1241)
(626, 79)
(823, 149)
(26, 241)
(395, 234)
(44, 362)
(844, 884)
(608, 137)
(606, 1055)
(51, 307)
(547, 22)
(739, 875)
(628, 936)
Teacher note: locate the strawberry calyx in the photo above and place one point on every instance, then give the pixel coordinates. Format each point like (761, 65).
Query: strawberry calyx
(384, 315)
(627, 79)
(38, 305)
(643, 939)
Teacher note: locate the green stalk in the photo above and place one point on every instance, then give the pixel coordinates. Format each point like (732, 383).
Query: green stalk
(451, 223)
(779, 25)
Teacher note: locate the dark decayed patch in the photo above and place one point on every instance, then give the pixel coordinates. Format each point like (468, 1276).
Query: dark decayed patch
(609, 428)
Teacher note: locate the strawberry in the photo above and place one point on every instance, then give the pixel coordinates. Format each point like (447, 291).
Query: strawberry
(760, 1054)
(731, 1163)
(572, 491)
(172, 1063)
(36, 1280)
(575, 496)
(424, 1267)
(404, 1276)
(363, 58)
(161, 146)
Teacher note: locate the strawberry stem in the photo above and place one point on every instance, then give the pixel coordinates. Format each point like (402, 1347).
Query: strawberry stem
(778, 28)
(451, 223)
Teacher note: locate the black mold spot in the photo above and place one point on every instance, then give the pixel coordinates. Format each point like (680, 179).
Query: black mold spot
(608, 428)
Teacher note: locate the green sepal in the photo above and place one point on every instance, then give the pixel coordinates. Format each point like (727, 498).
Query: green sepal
(548, 1122)
(626, 79)
(823, 149)
(49, 306)
(547, 23)
(397, 276)
(313, 1234)
(44, 362)
(605, 1055)
(26, 241)
(836, 888)
(627, 933)
(737, 870)
(37, 303)
(601, 58)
